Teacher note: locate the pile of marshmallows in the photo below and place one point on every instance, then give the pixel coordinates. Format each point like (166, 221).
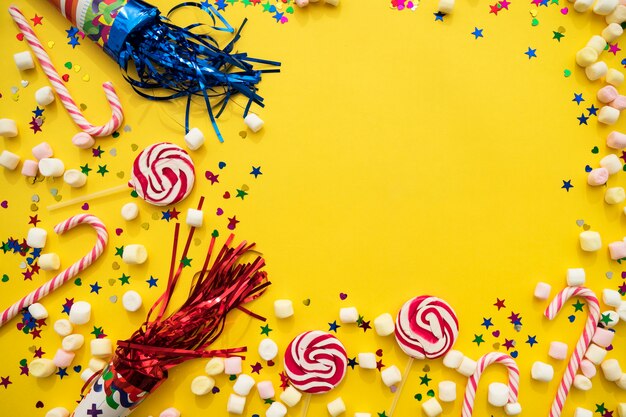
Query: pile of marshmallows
(391, 376)
(596, 353)
(591, 241)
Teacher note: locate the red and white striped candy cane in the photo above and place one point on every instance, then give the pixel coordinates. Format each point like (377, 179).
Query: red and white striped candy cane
(583, 343)
(484, 362)
(68, 102)
(68, 273)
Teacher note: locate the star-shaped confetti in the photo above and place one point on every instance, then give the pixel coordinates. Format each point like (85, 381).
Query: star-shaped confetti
(557, 35)
(478, 33)
(69, 302)
(478, 339)
(186, 262)
(152, 282)
(578, 306)
(124, 279)
(582, 120)
(98, 332)
(332, 327)
(241, 194)
(72, 31)
(487, 323)
(439, 16)
(365, 325)
(265, 330)
(256, 171)
(95, 288)
(34, 220)
(614, 49)
(256, 368)
(37, 20)
(102, 169)
(85, 169)
(515, 318)
(352, 362)
(62, 372)
(38, 353)
(379, 365)
(499, 303)
(119, 251)
(424, 380)
(508, 344)
(567, 185)
(97, 152)
(578, 98)
(5, 381)
(232, 222)
(593, 110)
(73, 42)
(532, 340)
(606, 318)
(532, 53)
(174, 213)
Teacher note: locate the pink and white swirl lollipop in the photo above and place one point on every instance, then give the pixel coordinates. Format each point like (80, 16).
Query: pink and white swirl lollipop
(315, 362)
(163, 174)
(426, 327)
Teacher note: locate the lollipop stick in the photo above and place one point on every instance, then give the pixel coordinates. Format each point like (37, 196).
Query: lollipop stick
(405, 376)
(305, 405)
(92, 196)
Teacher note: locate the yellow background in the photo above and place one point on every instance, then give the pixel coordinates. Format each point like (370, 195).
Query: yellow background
(400, 157)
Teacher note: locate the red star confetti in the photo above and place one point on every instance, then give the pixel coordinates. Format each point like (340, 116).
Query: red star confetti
(37, 20)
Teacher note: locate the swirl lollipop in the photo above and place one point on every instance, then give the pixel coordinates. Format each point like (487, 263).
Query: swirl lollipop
(162, 174)
(315, 363)
(426, 328)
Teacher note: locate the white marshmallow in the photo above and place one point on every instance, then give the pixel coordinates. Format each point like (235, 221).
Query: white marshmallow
(384, 324)
(621, 311)
(582, 412)
(513, 409)
(611, 370)
(74, 178)
(332, 2)
(38, 311)
(63, 328)
(348, 315)
(36, 237)
(51, 167)
(96, 364)
(446, 6)
(432, 408)
(49, 262)
(614, 77)
(232, 365)
(604, 7)
(596, 71)
(83, 140)
(542, 291)
(558, 350)
(87, 374)
(582, 383)
(595, 354)
(265, 389)
(80, 313)
(44, 96)
(614, 195)
(41, 368)
(590, 241)
(582, 5)
(170, 412)
(214, 366)
(236, 404)
(575, 277)
(608, 115)
(243, 385)
(391, 375)
(302, 3)
(498, 394)
(58, 412)
(611, 297)
(101, 348)
(613, 318)
(194, 139)
(8, 128)
(362, 415)
(612, 32)
(447, 391)
(268, 349)
(73, 342)
(467, 367)
(194, 217)
(253, 122)
(618, 15)
(131, 300)
(283, 309)
(621, 410)
(130, 211)
(367, 360)
(290, 396)
(612, 164)
(597, 43)
(586, 56)
(453, 359)
(9, 160)
(621, 383)
(541, 371)
(202, 385)
(276, 409)
(336, 407)
(24, 61)
(134, 254)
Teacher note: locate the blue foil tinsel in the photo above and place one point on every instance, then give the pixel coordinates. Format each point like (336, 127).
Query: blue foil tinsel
(171, 61)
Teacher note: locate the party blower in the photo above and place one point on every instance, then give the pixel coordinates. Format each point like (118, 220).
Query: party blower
(162, 61)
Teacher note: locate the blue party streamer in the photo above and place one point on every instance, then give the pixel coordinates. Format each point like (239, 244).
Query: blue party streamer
(157, 55)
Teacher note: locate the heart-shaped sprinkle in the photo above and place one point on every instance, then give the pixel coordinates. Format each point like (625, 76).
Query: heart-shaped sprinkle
(609, 275)
(120, 174)
(215, 233)
(564, 10)
(34, 207)
(379, 352)
(226, 195)
(431, 393)
(68, 65)
(232, 377)
(32, 348)
(156, 215)
(127, 128)
(306, 302)
(496, 346)
(113, 152)
(571, 318)
(77, 368)
(112, 282)
(289, 9)
(514, 354)
(50, 44)
(14, 90)
(197, 241)
(586, 227)
(66, 77)
(113, 299)
(588, 168)
(118, 231)
(22, 265)
(418, 397)
(243, 134)
(83, 106)
(77, 68)
(86, 77)
(145, 225)
(115, 134)
(35, 198)
(343, 295)
(78, 282)
(24, 362)
(5, 277)
(134, 147)
(54, 191)
(221, 165)
(534, 22)
(85, 206)
(219, 211)
(58, 197)
(426, 368)
(39, 404)
(24, 83)
(215, 390)
(244, 187)
(567, 73)
(115, 266)
(4, 204)
(20, 37)
(270, 363)
(580, 222)
(496, 333)
(595, 150)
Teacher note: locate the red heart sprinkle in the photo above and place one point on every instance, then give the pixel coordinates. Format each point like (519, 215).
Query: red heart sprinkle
(379, 353)
(227, 195)
(20, 36)
(4, 204)
(85, 206)
(66, 77)
(118, 231)
(343, 295)
(39, 404)
(496, 333)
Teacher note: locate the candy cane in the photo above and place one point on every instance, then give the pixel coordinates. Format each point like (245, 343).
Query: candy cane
(68, 273)
(483, 362)
(583, 342)
(68, 102)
